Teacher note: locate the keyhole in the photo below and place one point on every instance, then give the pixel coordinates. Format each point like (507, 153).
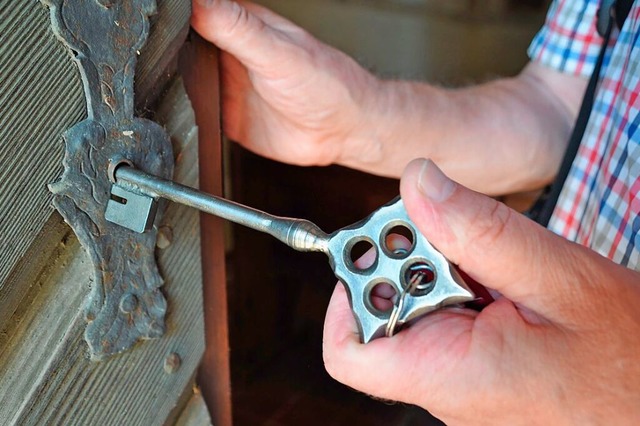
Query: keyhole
(119, 200)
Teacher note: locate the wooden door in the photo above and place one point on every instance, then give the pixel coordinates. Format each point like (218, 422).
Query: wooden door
(46, 375)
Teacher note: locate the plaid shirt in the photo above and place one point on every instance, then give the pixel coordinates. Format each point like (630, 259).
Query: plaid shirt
(600, 203)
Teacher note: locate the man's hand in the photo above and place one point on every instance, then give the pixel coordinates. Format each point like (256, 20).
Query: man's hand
(560, 346)
(286, 95)
(291, 98)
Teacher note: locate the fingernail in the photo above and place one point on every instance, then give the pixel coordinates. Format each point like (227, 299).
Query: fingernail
(434, 184)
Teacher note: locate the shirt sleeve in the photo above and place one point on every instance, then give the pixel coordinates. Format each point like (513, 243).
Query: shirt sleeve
(569, 41)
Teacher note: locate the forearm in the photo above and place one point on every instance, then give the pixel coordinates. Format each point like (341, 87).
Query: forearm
(499, 137)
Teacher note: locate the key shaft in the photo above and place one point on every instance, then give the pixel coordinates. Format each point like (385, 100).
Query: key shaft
(299, 234)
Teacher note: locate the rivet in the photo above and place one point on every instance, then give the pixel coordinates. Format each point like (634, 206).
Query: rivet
(128, 303)
(172, 363)
(165, 236)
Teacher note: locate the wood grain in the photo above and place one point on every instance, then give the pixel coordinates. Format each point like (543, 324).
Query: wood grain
(46, 375)
(158, 58)
(199, 67)
(195, 413)
(51, 238)
(40, 97)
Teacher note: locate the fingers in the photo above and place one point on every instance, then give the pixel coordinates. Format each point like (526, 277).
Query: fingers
(270, 18)
(493, 244)
(373, 368)
(236, 90)
(346, 358)
(250, 33)
(399, 368)
(340, 326)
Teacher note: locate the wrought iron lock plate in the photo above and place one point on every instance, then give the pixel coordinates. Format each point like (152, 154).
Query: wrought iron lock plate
(105, 36)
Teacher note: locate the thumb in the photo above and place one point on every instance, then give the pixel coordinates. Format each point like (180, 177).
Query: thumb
(495, 245)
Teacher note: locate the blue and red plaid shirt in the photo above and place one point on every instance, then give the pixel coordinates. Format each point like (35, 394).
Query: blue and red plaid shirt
(600, 203)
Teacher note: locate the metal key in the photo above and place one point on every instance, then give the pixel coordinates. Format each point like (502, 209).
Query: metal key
(420, 275)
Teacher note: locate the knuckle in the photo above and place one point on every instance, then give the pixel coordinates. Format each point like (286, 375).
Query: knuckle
(491, 227)
(240, 19)
(334, 354)
(331, 365)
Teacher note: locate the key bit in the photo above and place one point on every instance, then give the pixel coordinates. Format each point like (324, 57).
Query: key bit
(421, 276)
(130, 209)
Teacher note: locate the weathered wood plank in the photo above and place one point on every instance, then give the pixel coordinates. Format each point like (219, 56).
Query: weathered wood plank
(169, 27)
(27, 270)
(199, 67)
(46, 376)
(40, 327)
(195, 413)
(40, 97)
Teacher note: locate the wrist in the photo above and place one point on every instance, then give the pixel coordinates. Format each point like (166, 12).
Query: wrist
(363, 146)
(392, 127)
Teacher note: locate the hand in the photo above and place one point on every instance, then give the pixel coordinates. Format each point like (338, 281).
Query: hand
(560, 346)
(286, 95)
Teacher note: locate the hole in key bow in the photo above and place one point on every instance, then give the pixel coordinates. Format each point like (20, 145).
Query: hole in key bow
(421, 275)
(398, 240)
(382, 297)
(361, 254)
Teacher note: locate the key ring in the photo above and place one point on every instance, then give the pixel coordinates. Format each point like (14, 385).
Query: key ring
(399, 305)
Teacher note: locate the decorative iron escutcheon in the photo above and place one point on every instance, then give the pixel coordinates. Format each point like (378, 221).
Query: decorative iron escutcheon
(125, 304)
